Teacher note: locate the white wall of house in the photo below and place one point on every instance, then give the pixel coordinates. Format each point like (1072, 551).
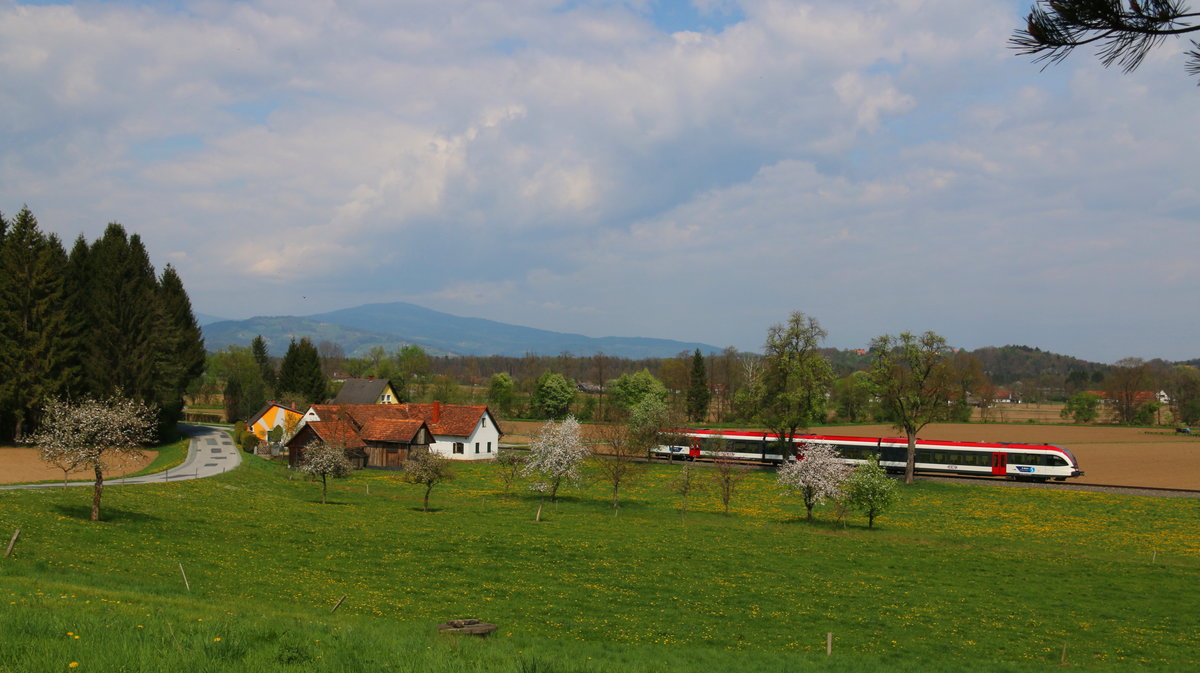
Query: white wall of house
(481, 444)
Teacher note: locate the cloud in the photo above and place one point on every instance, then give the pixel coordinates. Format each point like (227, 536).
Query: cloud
(606, 168)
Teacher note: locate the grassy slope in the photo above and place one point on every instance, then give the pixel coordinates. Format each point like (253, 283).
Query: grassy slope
(987, 577)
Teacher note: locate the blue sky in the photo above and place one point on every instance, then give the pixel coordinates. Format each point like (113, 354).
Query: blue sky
(687, 170)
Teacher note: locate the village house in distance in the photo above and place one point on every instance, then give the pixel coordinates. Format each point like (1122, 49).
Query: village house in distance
(379, 432)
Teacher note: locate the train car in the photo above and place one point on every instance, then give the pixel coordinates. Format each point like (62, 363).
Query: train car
(1038, 462)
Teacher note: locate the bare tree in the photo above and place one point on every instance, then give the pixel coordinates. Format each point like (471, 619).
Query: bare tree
(326, 461)
(428, 469)
(92, 431)
(727, 475)
(618, 464)
(509, 464)
(685, 484)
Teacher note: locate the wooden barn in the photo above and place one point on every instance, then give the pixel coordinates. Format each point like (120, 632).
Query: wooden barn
(379, 442)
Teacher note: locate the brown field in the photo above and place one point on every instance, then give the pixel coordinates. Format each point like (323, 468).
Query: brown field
(20, 464)
(1107, 454)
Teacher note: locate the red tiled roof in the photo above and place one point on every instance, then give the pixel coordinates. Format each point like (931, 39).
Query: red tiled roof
(337, 433)
(457, 420)
(391, 430)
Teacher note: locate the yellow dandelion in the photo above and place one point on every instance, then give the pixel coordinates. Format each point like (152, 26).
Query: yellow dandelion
(216, 640)
(73, 664)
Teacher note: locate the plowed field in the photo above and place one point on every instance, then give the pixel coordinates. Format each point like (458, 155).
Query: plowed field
(21, 464)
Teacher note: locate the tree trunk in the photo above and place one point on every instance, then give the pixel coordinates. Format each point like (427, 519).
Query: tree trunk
(324, 488)
(910, 466)
(554, 490)
(808, 505)
(614, 496)
(96, 490)
(428, 488)
(870, 519)
(541, 500)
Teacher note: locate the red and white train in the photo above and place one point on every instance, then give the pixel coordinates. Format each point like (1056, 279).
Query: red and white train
(1039, 462)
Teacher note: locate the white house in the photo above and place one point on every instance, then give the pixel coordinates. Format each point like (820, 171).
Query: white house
(460, 431)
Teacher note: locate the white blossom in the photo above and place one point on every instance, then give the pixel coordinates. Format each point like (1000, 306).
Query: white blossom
(83, 434)
(557, 453)
(817, 474)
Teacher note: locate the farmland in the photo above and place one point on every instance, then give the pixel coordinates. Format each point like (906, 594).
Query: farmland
(957, 576)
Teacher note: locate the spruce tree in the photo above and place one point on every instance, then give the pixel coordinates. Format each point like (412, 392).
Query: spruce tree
(181, 357)
(300, 372)
(698, 394)
(263, 358)
(122, 312)
(35, 337)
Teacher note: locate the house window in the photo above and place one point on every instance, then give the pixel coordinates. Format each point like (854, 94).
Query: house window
(458, 447)
(489, 447)
(476, 447)
(484, 422)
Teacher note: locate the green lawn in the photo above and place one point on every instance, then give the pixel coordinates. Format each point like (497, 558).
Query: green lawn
(957, 577)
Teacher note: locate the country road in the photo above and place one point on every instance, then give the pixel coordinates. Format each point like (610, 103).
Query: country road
(210, 452)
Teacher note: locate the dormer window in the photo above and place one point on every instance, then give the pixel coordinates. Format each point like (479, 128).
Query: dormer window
(484, 422)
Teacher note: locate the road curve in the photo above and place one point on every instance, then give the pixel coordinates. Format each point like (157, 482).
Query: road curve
(210, 452)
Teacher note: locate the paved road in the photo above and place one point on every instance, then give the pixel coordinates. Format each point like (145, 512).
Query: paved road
(211, 452)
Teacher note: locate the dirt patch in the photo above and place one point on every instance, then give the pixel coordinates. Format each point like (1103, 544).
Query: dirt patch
(20, 464)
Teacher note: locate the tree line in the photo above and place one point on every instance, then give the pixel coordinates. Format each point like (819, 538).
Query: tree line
(94, 322)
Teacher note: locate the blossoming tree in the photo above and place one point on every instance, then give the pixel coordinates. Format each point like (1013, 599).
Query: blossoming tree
(556, 454)
(91, 432)
(325, 461)
(816, 475)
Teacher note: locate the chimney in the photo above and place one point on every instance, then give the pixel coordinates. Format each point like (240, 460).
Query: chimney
(437, 412)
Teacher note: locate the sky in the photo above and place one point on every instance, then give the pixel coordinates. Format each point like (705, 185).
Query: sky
(685, 170)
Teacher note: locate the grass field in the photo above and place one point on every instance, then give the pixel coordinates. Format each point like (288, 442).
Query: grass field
(956, 577)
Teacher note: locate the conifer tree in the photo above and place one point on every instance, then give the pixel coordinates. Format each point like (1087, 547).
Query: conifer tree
(181, 355)
(698, 394)
(263, 358)
(121, 316)
(300, 372)
(35, 338)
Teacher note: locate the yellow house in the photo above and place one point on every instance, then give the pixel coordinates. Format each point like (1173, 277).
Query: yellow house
(275, 415)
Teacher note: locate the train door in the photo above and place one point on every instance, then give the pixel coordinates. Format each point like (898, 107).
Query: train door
(1000, 464)
(694, 449)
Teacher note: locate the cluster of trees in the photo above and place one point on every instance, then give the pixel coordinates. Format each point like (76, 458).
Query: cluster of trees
(94, 322)
(246, 378)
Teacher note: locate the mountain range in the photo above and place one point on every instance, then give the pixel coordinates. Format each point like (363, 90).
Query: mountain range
(395, 324)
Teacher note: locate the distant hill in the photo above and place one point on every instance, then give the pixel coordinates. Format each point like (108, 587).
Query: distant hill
(203, 319)
(391, 325)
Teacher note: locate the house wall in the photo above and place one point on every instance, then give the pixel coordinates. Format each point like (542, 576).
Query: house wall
(275, 417)
(481, 435)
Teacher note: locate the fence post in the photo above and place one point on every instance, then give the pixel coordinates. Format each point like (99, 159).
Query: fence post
(829, 643)
(339, 604)
(12, 543)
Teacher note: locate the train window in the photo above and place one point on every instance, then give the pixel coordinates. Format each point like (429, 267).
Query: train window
(1057, 461)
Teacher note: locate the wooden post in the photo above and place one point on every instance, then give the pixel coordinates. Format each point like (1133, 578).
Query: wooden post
(368, 489)
(12, 543)
(185, 582)
(1154, 559)
(829, 643)
(1063, 660)
(339, 604)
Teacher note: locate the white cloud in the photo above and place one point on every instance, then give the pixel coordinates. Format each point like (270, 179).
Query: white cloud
(579, 169)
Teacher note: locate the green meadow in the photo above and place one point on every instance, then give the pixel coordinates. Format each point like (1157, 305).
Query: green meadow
(955, 577)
